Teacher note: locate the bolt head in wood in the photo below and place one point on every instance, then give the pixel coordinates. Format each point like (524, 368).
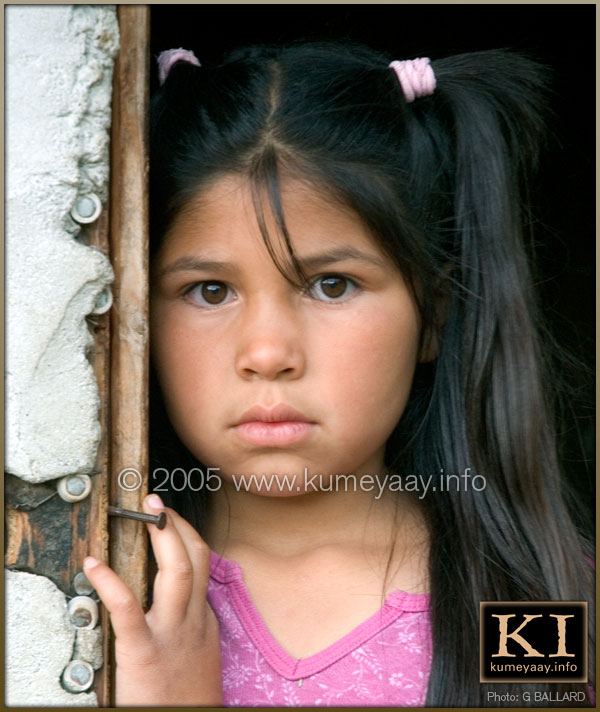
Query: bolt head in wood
(103, 301)
(87, 209)
(78, 676)
(74, 488)
(82, 585)
(83, 612)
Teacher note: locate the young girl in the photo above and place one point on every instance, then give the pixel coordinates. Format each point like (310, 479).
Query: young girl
(344, 330)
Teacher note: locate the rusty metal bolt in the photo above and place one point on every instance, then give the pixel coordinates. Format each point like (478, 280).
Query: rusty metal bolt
(83, 612)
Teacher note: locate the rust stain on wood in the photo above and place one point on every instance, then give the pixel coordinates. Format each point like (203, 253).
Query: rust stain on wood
(18, 538)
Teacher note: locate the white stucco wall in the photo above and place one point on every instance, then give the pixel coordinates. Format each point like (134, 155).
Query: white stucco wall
(59, 64)
(40, 642)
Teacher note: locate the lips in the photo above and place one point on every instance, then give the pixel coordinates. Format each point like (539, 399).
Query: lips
(277, 426)
(278, 414)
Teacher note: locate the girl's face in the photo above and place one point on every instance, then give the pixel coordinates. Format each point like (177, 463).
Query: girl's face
(231, 335)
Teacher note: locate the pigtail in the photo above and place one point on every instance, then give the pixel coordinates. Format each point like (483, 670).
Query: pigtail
(515, 541)
(167, 59)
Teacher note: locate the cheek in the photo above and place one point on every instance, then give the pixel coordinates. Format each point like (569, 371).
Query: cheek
(186, 362)
(370, 366)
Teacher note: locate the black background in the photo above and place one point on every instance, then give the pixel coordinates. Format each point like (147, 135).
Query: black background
(562, 36)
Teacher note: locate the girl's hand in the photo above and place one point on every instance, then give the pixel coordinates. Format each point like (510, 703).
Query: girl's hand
(170, 655)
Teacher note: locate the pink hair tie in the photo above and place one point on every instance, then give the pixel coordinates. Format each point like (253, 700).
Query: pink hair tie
(168, 58)
(416, 77)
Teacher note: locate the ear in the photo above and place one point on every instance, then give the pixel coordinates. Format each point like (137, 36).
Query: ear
(431, 337)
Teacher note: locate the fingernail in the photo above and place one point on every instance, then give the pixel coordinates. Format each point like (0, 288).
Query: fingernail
(154, 501)
(89, 562)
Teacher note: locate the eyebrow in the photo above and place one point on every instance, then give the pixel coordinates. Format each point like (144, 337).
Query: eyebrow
(322, 259)
(186, 264)
(340, 255)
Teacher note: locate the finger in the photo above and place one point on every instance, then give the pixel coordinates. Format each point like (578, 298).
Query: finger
(173, 584)
(199, 555)
(126, 614)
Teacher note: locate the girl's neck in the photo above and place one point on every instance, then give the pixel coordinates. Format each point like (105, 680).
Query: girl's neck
(284, 526)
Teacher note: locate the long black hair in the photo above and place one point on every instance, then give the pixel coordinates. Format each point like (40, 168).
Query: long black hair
(442, 185)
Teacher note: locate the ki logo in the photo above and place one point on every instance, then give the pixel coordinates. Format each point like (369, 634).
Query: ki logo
(531, 651)
(533, 641)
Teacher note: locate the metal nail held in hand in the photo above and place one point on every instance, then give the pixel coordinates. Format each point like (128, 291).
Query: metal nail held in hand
(159, 519)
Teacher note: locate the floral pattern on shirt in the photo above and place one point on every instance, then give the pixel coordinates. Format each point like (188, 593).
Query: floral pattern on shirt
(390, 668)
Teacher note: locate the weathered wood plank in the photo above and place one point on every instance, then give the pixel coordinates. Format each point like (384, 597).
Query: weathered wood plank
(128, 547)
(129, 321)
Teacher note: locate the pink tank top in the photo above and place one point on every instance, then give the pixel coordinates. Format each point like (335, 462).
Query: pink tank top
(385, 661)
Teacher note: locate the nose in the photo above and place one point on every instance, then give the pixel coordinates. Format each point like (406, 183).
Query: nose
(270, 344)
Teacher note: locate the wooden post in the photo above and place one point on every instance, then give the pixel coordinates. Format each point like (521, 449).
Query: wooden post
(129, 256)
(128, 541)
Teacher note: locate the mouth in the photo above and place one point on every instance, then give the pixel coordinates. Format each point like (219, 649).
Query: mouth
(280, 425)
(281, 413)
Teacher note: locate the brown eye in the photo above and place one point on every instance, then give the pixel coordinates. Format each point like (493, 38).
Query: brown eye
(214, 292)
(332, 287)
(210, 293)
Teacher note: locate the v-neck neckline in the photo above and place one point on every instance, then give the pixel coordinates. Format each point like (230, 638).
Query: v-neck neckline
(396, 603)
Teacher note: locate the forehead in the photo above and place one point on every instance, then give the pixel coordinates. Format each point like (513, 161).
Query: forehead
(225, 214)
